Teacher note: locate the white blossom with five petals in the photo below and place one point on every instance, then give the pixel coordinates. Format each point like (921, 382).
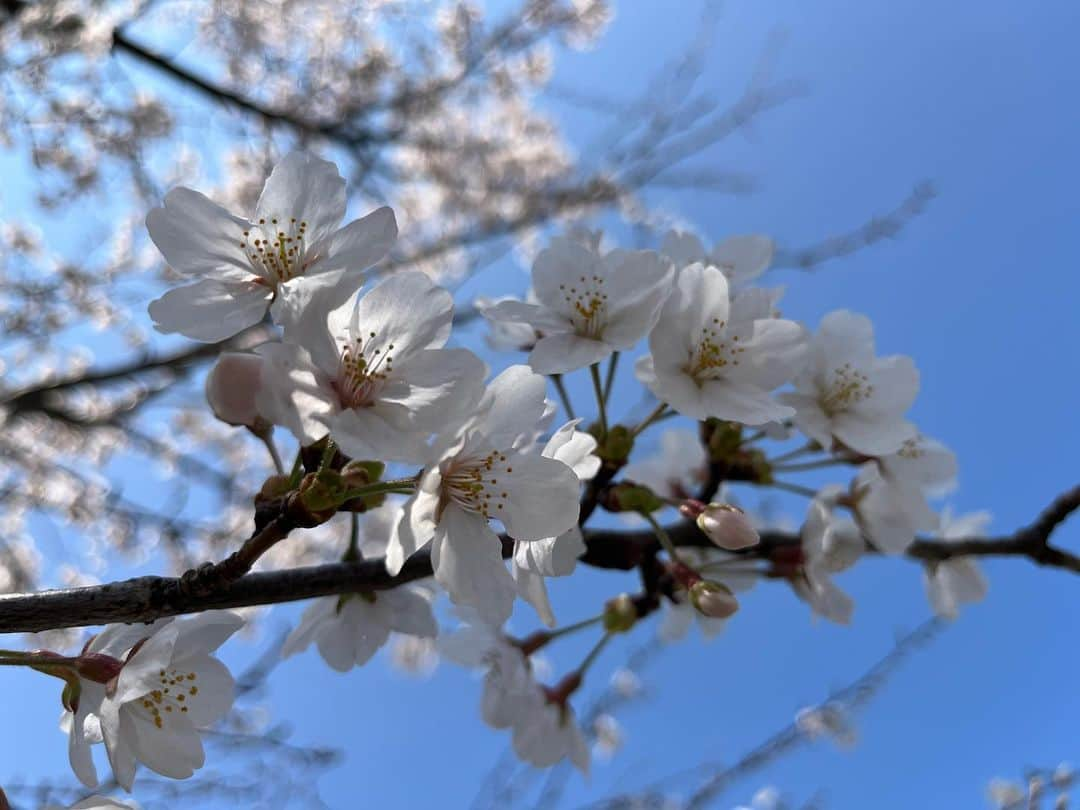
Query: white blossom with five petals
(847, 396)
(480, 473)
(711, 357)
(371, 372)
(168, 689)
(239, 268)
(590, 304)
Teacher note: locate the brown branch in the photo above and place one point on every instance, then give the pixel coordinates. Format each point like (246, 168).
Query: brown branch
(147, 598)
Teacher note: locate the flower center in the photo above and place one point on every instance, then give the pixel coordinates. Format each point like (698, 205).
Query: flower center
(911, 448)
(177, 692)
(713, 353)
(276, 249)
(589, 306)
(362, 372)
(849, 387)
(473, 484)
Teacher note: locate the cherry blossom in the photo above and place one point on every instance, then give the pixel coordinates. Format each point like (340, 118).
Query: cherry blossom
(239, 268)
(591, 304)
(847, 396)
(550, 734)
(371, 372)
(829, 545)
(555, 556)
(480, 473)
(169, 688)
(956, 581)
(348, 630)
(712, 358)
(740, 258)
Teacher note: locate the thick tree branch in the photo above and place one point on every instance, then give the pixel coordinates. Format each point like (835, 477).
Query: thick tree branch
(147, 598)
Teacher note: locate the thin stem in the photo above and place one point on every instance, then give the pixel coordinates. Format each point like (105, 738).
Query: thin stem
(352, 553)
(593, 653)
(801, 451)
(400, 486)
(594, 371)
(809, 465)
(563, 395)
(798, 490)
(662, 536)
(609, 381)
(267, 439)
(573, 628)
(660, 412)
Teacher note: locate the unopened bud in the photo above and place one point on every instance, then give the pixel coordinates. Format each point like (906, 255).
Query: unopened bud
(728, 527)
(614, 447)
(713, 599)
(232, 389)
(97, 667)
(620, 614)
(362, 473)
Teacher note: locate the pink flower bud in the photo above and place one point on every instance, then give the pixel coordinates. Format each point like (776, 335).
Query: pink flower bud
(713, 599)
(727, 526)
(232, 388)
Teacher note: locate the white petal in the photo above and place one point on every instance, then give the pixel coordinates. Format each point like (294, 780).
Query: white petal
(204, 633)
(532, 589)
(295, 393)
(315, 614)
(869, 434)
(467, 557)
(216, 691)
(541, 498)
(199, 237)
(307, 188)
(515, 401)
(360, 244)
(174, 751)
(140, 673)
(407, 310)
(367, 433)
(538, 317)
(743, 258)
(417, 524)
(408, 611)
(560, 354)
(558, 267)
(575, 449)
(437, 387)
(209, 311)
(682, 248)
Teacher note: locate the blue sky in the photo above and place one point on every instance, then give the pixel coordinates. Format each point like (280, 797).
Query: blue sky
(981, 291)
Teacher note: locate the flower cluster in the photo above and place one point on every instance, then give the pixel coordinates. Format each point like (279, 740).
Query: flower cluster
(491, 491)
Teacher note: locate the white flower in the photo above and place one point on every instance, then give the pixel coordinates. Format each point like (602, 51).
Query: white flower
(829, 545)
(481, 473)
(847, 396)
(590, 304)
(710, 357)
(371, 372)
(957, 580)
(510, 689)
(83, 726)
(240, 267)
(549, 734)
(414, 655)
(350, 629)
(167, 690)
(1003, 793)
(555, 556)
(232, 389)
(608, 735)
(676, 471)
(890, 512)
(739, 258)
(507, 336)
